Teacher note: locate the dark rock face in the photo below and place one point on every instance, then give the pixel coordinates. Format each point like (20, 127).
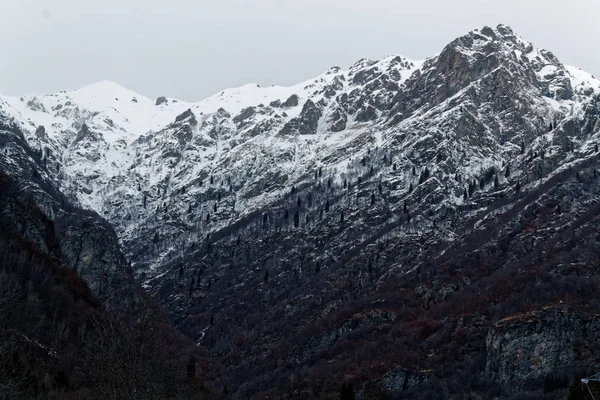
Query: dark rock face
(244, 115)
(336, 85)
(91, 249)
(83, 133)
(395, 382)
(338, 121)
(524, 350)
(367, 114)
(306, 123)
(309, 118)
(41, 133)
(87, 244)
(185, 115)
(161, 100)
(364, 76)
(292, 101)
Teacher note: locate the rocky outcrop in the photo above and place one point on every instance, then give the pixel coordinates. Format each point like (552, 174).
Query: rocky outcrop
(525, 350)
(40, 132)
(86, 243)
(393, 383)
(306, 123)
(91, 249)
(338, 121)
(367, 114)
(185, 115)
(246, 113)
(292, 101)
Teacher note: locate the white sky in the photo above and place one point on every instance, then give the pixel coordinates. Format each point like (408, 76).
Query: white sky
(190, 49)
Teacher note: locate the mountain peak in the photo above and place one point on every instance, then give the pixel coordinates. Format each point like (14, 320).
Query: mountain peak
(104, 91)
(502, 35)
(104, 84)
(504, 29)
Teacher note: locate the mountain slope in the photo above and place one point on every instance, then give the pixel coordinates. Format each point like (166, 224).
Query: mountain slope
(74, 323)
(345, 208)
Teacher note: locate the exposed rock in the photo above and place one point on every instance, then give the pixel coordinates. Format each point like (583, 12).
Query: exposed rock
(83, 133)
(185, 115)
(161, 100)
(40, 132)
(395, 382)
(524, 350)
(367, 114)
(292, 101)
(363, 76)
(91, 249)
(36, 105)
(87, 244)
(223, 113)
(306, 123)
(245, 114)
(338, 121)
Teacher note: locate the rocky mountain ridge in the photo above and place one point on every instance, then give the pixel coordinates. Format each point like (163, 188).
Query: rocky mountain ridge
(264, 213)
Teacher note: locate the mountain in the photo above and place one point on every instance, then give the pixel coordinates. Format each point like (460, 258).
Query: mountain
(400, 226)
(74, 323)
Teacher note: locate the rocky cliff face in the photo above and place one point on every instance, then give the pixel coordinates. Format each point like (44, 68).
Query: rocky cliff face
(391, 211)
(86, 243)
(527, 350)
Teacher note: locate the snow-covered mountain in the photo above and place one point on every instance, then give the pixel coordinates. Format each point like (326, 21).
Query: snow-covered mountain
(128, 157)
(125, 156)
(213, 200)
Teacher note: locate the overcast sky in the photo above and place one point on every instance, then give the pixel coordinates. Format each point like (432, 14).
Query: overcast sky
(190, 49)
